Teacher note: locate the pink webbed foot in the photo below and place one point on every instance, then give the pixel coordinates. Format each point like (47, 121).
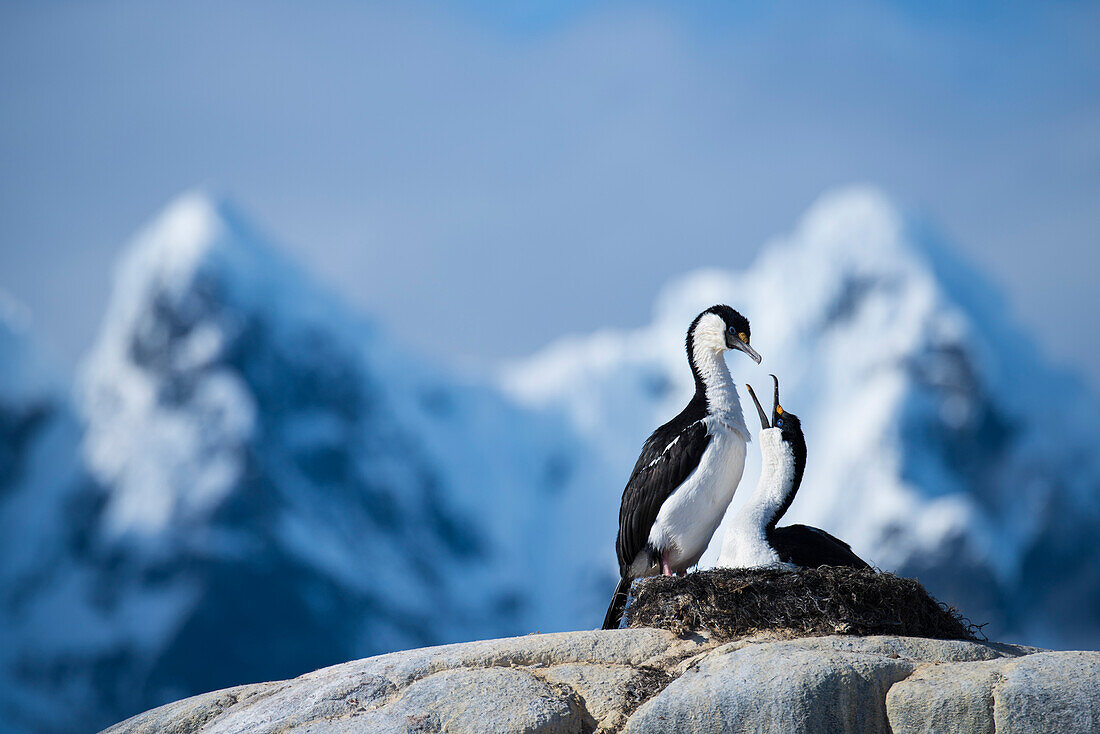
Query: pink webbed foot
(665, 568)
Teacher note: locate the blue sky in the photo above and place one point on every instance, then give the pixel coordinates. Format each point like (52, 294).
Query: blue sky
(484, 176)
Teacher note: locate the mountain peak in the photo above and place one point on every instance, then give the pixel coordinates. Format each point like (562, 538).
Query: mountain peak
(195, 231)
(188, 222)
(187, 290)
(199, 255)
(863, 206)
(859, 229)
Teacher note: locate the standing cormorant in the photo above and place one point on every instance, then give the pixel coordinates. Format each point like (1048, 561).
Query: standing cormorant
(689, 468)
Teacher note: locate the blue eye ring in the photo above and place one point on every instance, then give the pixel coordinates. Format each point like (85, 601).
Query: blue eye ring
(779, 423)
(733, 330)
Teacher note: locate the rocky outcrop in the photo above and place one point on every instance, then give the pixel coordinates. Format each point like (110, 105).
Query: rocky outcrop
(648, 680)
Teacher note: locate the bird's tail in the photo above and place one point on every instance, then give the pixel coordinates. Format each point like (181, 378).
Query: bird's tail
(618, 604)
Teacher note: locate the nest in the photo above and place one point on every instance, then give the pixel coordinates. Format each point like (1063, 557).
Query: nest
(808, 602)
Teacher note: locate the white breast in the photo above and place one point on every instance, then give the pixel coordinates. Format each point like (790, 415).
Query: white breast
(747, 547)
(687, 520)
(746, 543)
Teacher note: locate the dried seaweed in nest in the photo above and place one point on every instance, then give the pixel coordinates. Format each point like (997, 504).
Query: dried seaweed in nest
(802, 603)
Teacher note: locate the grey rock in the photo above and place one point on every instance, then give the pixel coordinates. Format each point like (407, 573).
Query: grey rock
(1042, 692)
(482, 701)
(189, 714)
(915, 648)
(600, 689)
(644, 680)
(379, 691)
(1049, 692)
(615, 647)
(608, 693)
(954, 697)
(308, 699)
(778, 687)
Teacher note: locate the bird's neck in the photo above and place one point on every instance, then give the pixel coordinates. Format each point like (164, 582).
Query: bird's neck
(776, 488)
(714, 384)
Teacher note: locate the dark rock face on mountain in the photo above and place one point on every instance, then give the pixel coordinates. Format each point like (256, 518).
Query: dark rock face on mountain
(45, 499)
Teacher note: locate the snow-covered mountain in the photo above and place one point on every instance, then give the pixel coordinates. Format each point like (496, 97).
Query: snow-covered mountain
(255, 481)
(284, 487)
(940, 443)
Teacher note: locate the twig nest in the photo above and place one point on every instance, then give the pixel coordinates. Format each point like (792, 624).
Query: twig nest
(803, 603)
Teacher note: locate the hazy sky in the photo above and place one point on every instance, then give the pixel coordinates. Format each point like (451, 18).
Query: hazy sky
(484, 176)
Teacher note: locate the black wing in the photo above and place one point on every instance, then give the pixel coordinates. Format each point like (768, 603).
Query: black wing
(668, 457)
(811, 547)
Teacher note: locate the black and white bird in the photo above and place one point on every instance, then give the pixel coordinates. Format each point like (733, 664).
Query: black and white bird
(689, 468)
(752, 540)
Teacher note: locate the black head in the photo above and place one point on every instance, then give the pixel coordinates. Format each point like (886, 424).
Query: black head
(786, 422)
(720, 328)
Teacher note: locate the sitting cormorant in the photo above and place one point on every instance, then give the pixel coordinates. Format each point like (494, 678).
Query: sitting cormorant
(689, 468)
(753, 540)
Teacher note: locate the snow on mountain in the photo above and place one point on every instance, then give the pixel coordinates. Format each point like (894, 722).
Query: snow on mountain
(283, 487)
(256, 482)
(940, 443)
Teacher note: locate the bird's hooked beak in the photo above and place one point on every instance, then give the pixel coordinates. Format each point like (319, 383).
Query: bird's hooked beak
(741, 343)
(763, 416)
(777, 409)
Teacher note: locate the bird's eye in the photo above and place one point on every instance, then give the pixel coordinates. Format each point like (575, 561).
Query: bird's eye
(733, 330)
(779, 423)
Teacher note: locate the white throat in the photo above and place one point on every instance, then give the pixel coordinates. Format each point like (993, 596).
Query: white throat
(745, 544)
(721, 392)
(723, 402)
